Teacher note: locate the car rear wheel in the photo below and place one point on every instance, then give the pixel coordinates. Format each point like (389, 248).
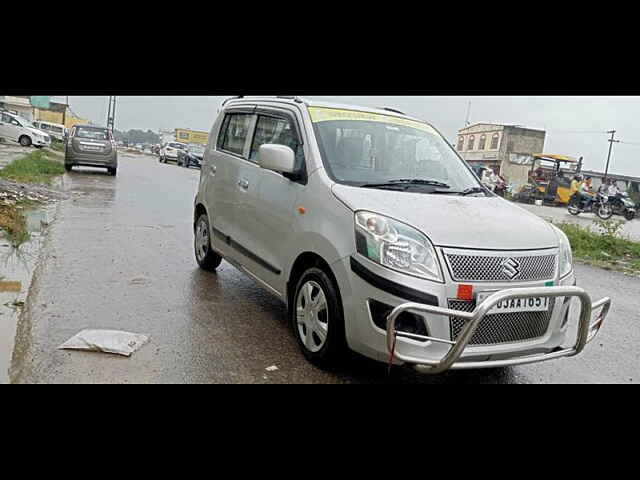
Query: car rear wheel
(25, 141)
(629, 214)
(318, 320)
(205, 256)
(68, 167)
(113, 171)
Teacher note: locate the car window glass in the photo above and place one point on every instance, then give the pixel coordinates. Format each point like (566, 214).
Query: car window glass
(235, 133)
(277, 131)
(364, 151)
(6, 118)
(92, 133)
(15, 122)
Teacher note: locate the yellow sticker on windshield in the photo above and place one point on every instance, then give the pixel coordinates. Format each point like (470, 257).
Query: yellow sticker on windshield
(323, 114)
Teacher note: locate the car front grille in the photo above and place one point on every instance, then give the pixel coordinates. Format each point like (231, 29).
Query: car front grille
(501, 327)
(491, 268)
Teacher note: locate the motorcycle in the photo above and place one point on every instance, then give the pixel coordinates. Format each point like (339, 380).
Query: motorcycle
(600, 206)
(622, 205)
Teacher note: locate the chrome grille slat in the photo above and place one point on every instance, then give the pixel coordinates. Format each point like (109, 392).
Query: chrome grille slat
(501, 327)
(488, 268)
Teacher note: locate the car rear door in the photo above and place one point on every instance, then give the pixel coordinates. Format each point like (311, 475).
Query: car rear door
(221, 174)
(92, 141)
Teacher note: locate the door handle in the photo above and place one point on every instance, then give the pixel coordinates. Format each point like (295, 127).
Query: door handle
(243, 184)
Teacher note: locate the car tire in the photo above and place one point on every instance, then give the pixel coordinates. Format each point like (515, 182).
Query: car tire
(113, 171)
(68, 167)
(205, 256)
(629, 215)
(25, 141)
(316, 312)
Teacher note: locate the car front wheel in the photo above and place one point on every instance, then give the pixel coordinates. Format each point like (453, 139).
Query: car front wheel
(317, 319)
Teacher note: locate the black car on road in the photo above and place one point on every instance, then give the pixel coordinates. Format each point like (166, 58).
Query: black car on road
(191, 156)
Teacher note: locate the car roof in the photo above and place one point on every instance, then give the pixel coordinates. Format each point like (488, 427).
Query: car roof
(317, 103)
(91, 126)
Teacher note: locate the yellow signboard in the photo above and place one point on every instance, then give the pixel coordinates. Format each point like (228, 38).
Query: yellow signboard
(322, 114)
(185, 135)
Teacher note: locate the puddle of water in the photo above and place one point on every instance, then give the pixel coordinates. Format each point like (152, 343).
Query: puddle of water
(16, 270)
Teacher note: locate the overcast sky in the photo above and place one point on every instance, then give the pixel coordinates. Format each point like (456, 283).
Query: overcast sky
(575, 126)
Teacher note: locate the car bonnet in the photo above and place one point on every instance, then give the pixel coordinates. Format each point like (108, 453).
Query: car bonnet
(490, 223)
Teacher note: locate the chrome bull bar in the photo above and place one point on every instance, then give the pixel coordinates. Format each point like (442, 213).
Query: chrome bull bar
(586, 330)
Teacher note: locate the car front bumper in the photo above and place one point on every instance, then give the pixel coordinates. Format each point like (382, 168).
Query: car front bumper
(363, 281)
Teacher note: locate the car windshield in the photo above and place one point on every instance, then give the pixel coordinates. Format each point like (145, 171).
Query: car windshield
(92, 133)
(370, 149)
(176, 145)
(24, 122)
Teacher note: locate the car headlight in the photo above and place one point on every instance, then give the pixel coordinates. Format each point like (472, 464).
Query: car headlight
(395, 245)
(566, 257)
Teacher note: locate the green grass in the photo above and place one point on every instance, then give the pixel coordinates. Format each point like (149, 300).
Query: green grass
(34, 167)
(607, 250)
(57, 145)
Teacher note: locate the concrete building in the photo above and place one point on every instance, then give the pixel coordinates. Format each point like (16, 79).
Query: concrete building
(497, 146)
(18, 104)
(55, 113)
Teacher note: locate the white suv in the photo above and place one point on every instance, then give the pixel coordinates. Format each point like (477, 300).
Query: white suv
(20, 130)
(380, 239)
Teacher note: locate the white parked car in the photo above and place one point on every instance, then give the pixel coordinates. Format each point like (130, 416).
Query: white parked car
(20, 130)
(380, 239)
(169, 152)
(55, 130)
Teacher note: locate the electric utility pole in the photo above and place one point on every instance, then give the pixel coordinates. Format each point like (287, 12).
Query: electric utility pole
(466, 122)
(111, 115)
(611, 142)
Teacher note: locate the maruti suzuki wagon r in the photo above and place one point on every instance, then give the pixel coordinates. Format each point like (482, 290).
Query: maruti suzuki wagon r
(381, 240)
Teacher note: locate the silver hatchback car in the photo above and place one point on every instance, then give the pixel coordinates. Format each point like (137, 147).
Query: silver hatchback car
(380, 239)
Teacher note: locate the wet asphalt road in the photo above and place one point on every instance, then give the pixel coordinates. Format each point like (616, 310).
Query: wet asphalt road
(119, 256)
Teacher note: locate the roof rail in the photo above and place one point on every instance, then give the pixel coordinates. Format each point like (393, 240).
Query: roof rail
(231, 98)
(393, 110)
(291, 97)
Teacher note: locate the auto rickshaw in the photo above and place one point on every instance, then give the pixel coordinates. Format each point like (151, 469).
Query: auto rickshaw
(547, 179)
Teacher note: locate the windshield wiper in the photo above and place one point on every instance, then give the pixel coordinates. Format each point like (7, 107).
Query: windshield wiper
(406, 182)
(464, 193)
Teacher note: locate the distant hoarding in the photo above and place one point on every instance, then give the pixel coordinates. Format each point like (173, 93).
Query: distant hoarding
(41, 102)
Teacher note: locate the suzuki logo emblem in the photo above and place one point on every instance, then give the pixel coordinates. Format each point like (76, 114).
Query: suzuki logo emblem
(510, 267)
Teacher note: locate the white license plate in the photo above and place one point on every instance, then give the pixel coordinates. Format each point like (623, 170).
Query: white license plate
(93, 149)
(512, 305)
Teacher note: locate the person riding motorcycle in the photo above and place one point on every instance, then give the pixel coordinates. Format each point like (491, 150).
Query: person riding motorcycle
(575, 190)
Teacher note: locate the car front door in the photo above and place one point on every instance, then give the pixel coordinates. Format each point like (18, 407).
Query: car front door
(265, 218)
(220, 177)
(5, 126)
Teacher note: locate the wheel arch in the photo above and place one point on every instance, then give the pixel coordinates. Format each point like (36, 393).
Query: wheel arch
(303, 262)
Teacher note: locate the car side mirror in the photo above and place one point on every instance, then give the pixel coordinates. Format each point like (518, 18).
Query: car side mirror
(278, 158)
